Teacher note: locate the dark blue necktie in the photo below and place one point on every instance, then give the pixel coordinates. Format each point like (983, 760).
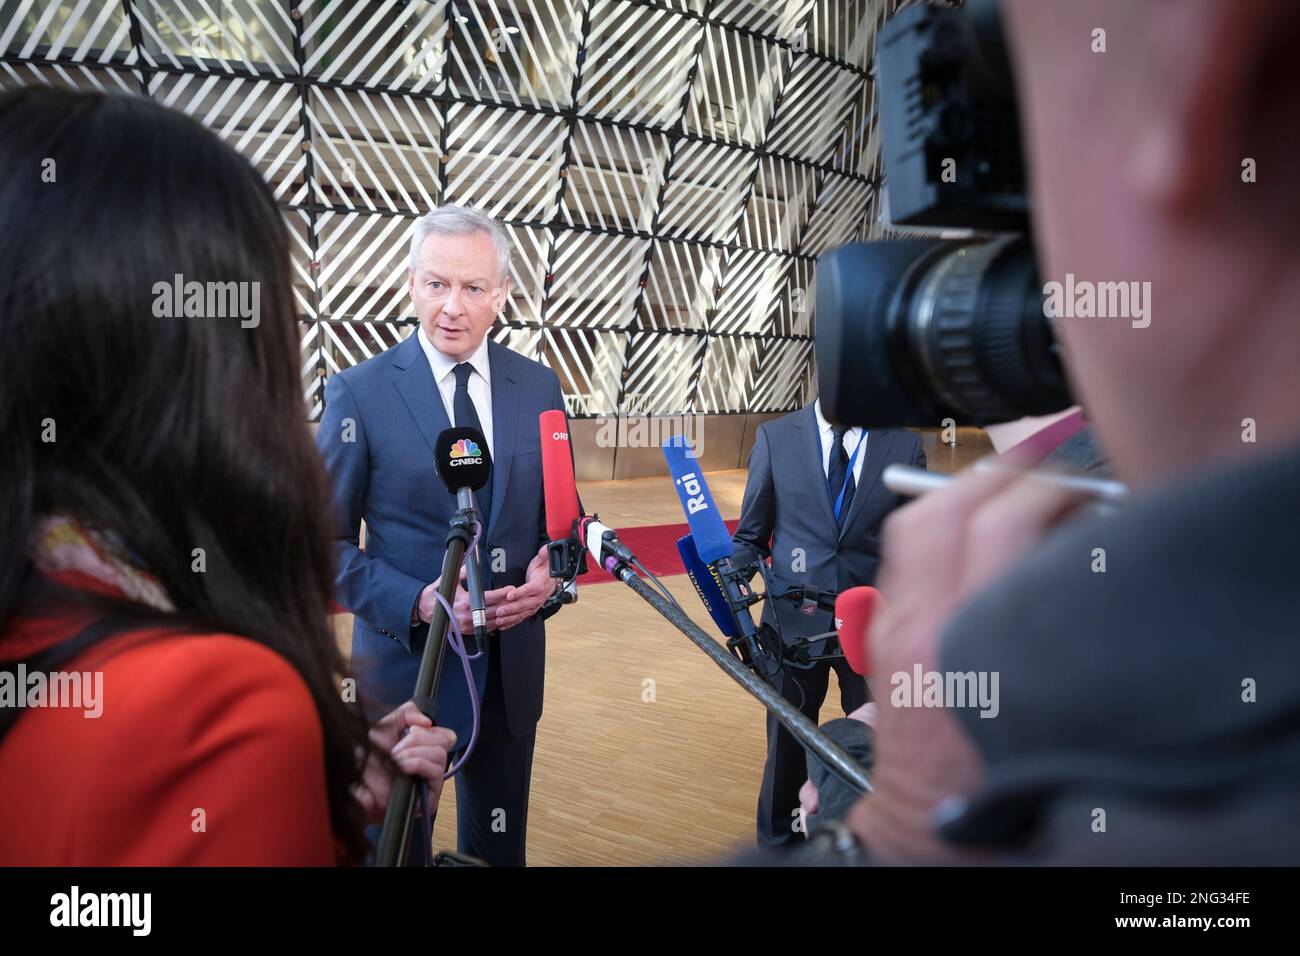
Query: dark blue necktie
(838, 475)
(467, 417)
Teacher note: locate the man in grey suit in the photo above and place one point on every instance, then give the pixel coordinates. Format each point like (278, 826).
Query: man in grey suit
(814, 503)
(377, 436)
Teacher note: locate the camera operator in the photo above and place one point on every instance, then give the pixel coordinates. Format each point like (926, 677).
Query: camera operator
(1149, 692)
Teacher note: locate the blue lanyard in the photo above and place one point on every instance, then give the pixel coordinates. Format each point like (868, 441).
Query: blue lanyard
(839, 499)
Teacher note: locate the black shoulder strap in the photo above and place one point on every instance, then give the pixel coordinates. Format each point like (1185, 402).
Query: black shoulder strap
(51, 659)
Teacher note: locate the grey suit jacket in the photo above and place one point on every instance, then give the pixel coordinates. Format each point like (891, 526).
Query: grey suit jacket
(788, 514)
(1163, 690)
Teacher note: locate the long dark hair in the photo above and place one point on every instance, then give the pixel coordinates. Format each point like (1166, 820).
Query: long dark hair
(172, 433)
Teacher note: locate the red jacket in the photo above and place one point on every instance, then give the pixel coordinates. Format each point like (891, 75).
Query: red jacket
(208, 752)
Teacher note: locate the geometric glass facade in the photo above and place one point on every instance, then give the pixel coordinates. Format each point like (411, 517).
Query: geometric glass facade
(668, 172)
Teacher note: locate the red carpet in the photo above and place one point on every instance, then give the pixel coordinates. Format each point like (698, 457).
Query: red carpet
(654, 544)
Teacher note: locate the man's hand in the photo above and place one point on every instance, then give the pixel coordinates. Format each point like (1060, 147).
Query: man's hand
(938, 551)
(809, 801)
(460, 605)
(416, 746)
(505, 606)
(509, 606)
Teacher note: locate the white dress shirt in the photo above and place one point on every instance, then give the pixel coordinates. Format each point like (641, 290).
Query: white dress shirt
(851, 438)
(479, 385)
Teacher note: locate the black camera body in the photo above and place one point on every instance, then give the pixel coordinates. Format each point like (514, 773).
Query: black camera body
(950, 127)
(914, 332)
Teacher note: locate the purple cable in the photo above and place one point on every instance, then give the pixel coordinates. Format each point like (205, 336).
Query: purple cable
(457, 644)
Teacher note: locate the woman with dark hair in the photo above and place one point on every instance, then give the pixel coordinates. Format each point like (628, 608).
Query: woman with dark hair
(164, 515)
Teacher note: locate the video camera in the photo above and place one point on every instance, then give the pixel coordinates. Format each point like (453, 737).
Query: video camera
(913, 331)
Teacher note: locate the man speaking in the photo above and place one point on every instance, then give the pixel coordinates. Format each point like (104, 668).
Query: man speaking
(814, 503)
(377, 437)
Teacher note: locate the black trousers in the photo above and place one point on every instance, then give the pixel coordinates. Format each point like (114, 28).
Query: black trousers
(492, 790)
(787, 768)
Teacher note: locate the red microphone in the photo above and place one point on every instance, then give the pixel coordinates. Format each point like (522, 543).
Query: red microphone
(854, 610)
(559, 487)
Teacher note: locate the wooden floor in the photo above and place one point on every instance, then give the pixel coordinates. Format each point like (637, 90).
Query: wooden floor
(647, 752)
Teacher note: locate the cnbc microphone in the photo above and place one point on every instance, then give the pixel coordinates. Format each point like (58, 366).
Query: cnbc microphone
(714, 549)
(464, 466)
(560, 496)
(460, 470)
(854, 610)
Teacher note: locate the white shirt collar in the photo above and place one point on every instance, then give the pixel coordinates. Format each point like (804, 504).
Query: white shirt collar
(442, 364)
(826, 427)
(823, 423)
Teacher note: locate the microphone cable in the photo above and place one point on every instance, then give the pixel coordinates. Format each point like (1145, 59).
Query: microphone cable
(647, 573)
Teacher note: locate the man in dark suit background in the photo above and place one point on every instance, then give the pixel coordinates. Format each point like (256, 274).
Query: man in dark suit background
(377, 437)
(814, 503)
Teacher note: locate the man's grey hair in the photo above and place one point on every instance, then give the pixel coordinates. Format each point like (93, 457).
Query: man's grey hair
(453, 220)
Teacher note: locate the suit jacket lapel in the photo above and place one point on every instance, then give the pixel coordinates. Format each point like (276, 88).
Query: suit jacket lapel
(505, 422)
(420, 392)
(812, 455)
(874, 456)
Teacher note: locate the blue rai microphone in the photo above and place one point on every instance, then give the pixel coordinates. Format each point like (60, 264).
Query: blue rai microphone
(712, 539)
(714, 547)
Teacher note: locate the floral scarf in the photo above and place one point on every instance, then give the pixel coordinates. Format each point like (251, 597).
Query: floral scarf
(63, 544)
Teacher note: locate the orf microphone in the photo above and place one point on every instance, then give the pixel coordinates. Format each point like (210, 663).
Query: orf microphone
(854, 610)
(464, 465)
(560, 496)
(559, 486)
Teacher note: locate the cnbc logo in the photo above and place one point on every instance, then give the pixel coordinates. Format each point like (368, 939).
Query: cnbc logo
(466, 452)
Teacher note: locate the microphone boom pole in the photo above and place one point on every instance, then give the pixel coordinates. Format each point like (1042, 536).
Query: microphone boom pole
(568, 528)
(800, 727)
(464, 464)
(396, 834)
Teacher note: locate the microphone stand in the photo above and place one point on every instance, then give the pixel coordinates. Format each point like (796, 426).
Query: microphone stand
(396, 834)
(798, 652)
(800, 727)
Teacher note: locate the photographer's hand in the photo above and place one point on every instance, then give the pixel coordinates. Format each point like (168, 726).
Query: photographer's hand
(938, 551)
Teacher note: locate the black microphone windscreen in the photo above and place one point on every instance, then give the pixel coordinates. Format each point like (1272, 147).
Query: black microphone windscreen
(462, 458)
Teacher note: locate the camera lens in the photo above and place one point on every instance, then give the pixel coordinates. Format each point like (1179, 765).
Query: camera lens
(910, 332)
